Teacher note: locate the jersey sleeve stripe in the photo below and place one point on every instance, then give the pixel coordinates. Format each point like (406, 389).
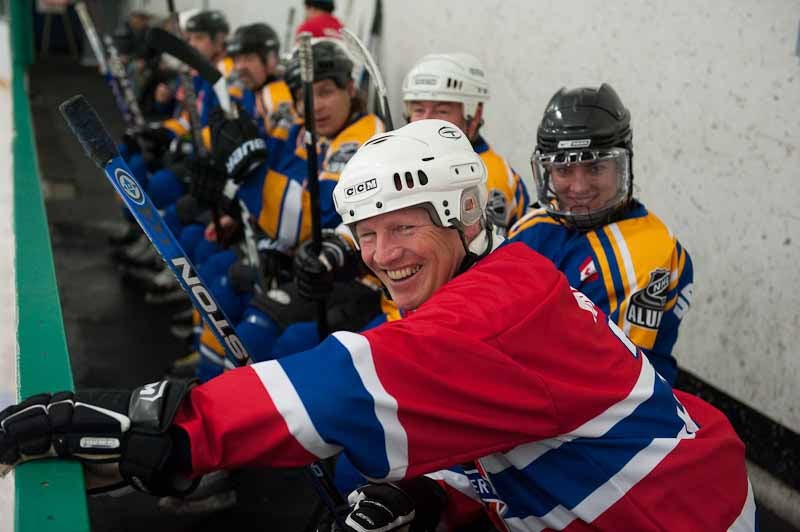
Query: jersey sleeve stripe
(396, 440)
(458, 481)
(746, 521)
(291, 212)
(289, 404)
(630, 271)
(522, 456)
(602, 473)
(605, 256)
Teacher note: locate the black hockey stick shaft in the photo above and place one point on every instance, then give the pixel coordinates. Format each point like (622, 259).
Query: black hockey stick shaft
(307, 76)
(165, 42)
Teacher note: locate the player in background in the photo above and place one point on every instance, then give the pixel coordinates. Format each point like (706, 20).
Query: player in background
(454, 87)
(575, 433)
(276, 196)
(603, 239)
(319, 20)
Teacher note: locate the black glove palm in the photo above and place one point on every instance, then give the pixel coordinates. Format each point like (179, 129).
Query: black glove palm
(207, 180)
(154, 142)
(236, 143)
(315, 274)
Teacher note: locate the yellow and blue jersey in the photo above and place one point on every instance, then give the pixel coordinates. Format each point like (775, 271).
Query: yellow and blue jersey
(508, 197)
(634, 269)
(284, 213)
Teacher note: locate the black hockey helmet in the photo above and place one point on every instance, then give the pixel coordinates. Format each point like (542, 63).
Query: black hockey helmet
(330, 62)
(580, 128)
(254, 38)
(212, 22)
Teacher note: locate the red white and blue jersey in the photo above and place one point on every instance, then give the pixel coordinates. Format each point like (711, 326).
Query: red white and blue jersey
(505, 367)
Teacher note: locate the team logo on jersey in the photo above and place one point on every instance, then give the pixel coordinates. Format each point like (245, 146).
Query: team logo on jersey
(449, 132)
(340, 158)
(129, 186)
(588, 270)
(580, 143)
(647, 305)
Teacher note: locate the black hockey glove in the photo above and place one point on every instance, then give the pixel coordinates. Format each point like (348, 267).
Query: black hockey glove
(154, 142)
(131, 429)
(207, 180)
(315, 274)
(236, 143)
(276, 266)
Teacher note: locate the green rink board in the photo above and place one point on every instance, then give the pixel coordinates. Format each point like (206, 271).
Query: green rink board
(50, 495)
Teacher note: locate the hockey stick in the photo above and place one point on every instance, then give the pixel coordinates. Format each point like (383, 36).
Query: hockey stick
(287, 36)
(307, 76)
(134, 115)
(97, 47)
(362, 54)
(165, 42)
(98, 145)
(91, 34)
(87, 127)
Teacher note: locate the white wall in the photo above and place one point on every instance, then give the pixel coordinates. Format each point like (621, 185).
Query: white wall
(714, 89)
(8, 293)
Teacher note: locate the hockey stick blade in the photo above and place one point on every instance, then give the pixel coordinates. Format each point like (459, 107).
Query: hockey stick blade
(167, 43)
(87, 126)
(362, 55)
(90, 131)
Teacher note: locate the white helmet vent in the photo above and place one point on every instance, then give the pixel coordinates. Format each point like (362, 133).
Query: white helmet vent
(409, 183)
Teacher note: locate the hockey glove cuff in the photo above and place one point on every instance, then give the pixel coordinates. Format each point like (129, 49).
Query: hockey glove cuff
(104, 426)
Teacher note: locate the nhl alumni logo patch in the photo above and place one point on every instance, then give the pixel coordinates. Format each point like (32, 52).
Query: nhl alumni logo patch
(647, 305)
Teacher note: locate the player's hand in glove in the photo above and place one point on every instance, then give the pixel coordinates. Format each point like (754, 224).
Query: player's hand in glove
(315, 274)
(236, 143)
(131, 429)
(207, 180)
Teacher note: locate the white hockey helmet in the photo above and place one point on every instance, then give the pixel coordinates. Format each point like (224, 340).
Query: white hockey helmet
(456, 77)
(428, 163)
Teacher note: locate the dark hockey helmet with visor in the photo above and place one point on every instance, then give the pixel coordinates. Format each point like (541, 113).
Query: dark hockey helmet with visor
(582, 161)
(212, 22)
(330, 62)
(256, 38)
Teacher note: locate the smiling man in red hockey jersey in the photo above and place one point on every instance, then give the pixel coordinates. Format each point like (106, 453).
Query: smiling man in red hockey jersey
(487, 368)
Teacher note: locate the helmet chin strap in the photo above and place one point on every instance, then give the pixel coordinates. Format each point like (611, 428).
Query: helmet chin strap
(480, 246)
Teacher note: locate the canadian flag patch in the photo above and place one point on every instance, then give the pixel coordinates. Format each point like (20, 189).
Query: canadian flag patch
(588, 270)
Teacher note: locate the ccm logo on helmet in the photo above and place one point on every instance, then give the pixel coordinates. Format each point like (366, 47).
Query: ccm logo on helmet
(449, 132)
(360, 188)
(582, 143)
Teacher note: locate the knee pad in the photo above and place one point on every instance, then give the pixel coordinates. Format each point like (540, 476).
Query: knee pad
(164, 188)
(189, 237)
(296, 337)
(258, 333)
